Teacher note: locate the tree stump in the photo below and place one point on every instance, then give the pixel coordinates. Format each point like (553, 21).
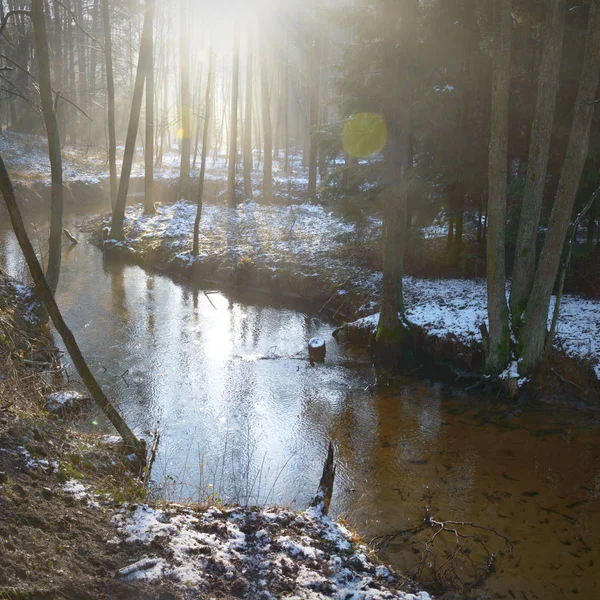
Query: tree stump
(317, 349)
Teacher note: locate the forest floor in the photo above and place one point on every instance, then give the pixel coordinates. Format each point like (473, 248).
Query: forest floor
(76, 523)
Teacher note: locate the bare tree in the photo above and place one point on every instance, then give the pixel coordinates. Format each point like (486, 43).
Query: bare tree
(266, 123)
(498, 342)
(149, 145)
(539, 151)
(533, 333)
(185, 131)
(235, 86)
(205, 149)
(248, 161)
(57, 192)
(110, 83)
(116, 231)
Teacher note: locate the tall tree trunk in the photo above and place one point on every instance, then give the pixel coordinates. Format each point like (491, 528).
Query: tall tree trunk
(110, 83)
(185, 132)
(149, 157)
(56, 207)
(313, 124)
(205, 149)
(59, 57)
(266, 123)
(235, 87)
(498, 344)
(248, 162)
(539, 151)
(116, 231)
(532, 337)
(397, 68)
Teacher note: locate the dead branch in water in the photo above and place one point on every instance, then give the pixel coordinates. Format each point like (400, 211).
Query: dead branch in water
(453, 557)
(323, 498)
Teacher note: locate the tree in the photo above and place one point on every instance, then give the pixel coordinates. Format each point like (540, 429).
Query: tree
(185, 131)
(149, 145)
(116, 231)
(314, 110)
(235, 86)
(110, 83)
(46, 294)
(397, 107)
(533, 333)
(248, 162)
(539, 152)
(57, 192)
(498, 342)
(266, 122)
(205, 149)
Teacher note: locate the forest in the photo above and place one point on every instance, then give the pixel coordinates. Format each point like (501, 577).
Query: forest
(330, 270)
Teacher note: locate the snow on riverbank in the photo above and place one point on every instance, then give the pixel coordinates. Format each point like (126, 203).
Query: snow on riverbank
(458, 307)
(314, 242)
(267, 554)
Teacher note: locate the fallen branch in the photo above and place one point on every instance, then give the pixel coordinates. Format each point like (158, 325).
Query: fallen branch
(70, 236)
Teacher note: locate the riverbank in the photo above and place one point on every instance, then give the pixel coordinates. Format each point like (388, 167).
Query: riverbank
(76, 523)
(311, 254)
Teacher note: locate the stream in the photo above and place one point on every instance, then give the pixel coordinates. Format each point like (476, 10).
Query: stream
(245, 418)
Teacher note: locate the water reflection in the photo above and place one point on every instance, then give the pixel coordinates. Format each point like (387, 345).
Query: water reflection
(244, 417)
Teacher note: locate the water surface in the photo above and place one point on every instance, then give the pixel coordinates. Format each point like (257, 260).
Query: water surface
(244, 417)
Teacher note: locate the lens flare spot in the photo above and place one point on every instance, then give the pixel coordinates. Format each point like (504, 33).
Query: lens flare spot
(364, 134)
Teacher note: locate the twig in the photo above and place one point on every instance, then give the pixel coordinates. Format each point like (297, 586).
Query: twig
(568, 381)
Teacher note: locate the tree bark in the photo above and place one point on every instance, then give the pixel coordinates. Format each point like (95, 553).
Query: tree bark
(235, 87)
(116, 232)
(315, 87)
(110, 84)
(205, 149)
(149, 146)
(532, 337)
(56, 169)
(539, 151)
(266, 123)
(185, 132)
(498, 350)
(397, 110)
(248, 162)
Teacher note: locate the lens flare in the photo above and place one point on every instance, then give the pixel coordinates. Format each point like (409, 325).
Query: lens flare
(364, 134)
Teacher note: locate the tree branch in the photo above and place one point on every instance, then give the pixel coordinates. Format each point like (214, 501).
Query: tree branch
(11, 13)
(30, 74)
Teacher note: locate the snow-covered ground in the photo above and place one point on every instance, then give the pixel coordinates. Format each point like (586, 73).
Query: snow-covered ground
(255, 553)
(314, 241)
(268, 553)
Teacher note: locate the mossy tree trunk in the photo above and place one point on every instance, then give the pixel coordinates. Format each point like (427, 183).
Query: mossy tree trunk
(498, 344)
(400, 23)
(533, 333)
(539, 152)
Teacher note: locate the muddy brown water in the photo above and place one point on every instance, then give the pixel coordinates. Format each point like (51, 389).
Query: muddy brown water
(245, 418)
